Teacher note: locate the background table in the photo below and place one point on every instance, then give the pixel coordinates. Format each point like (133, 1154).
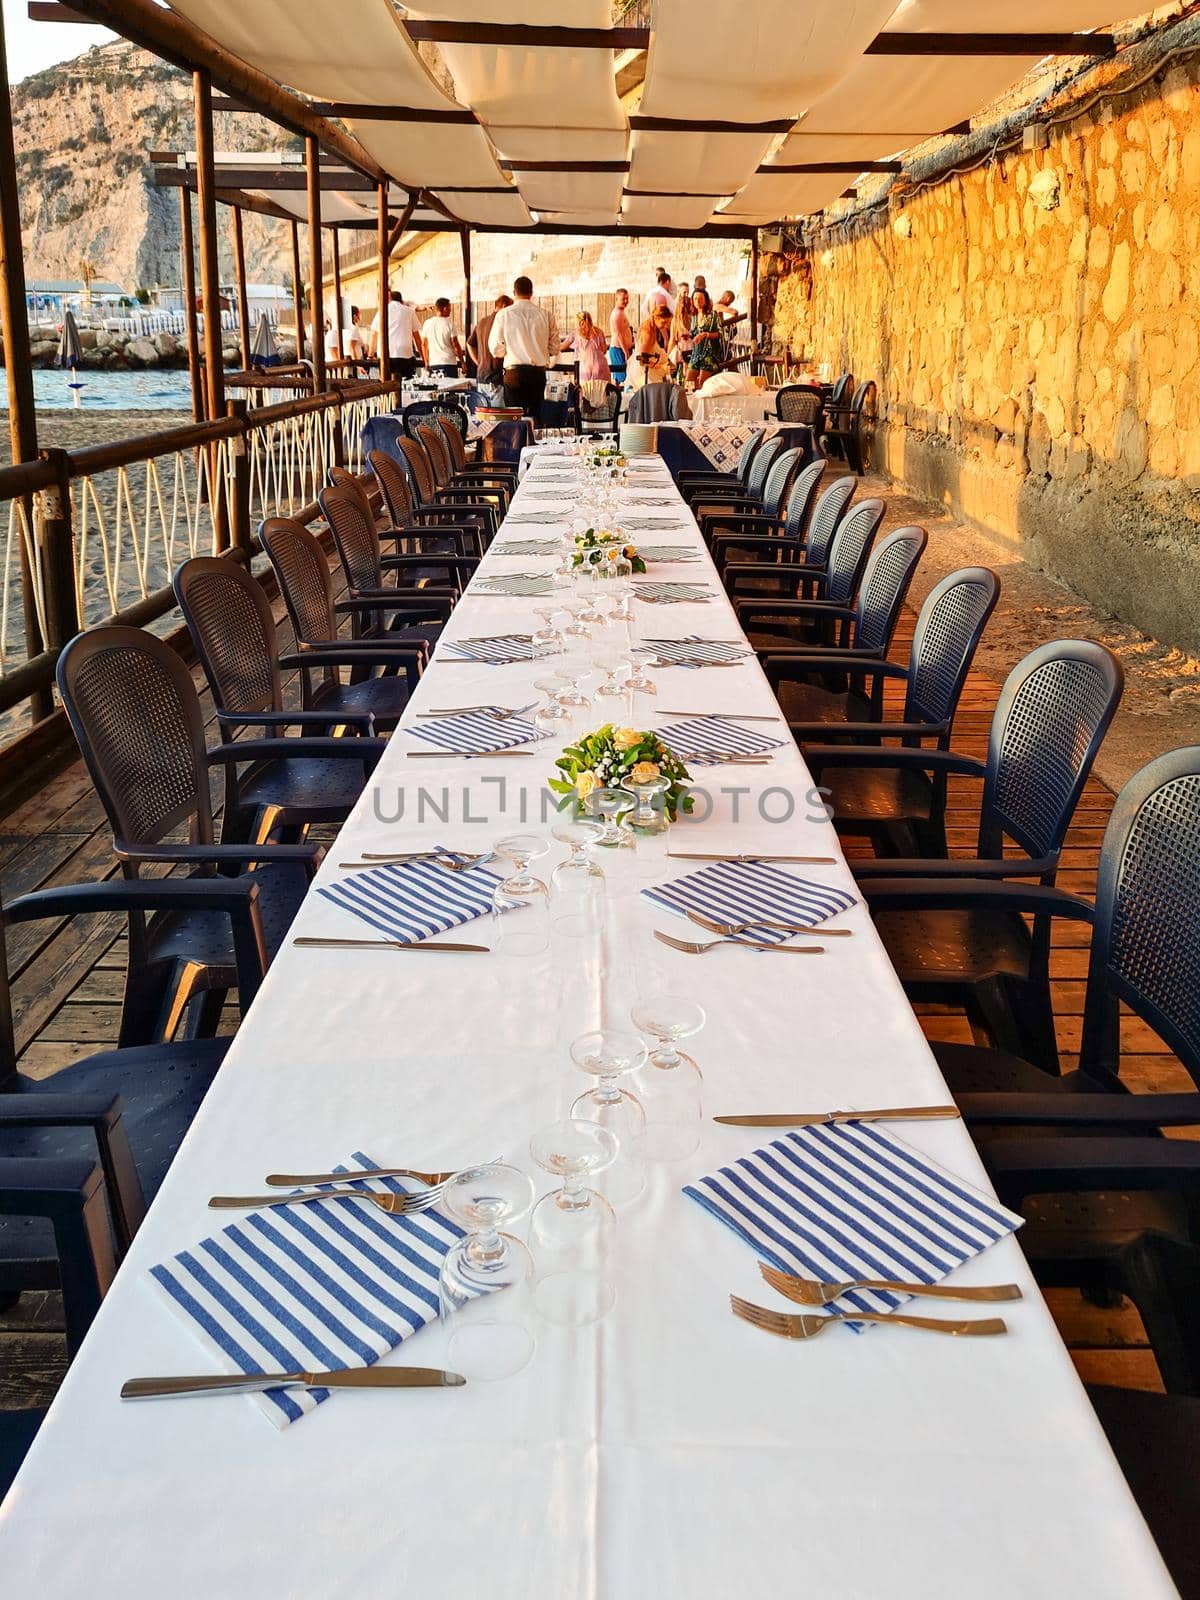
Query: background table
(671, 1451)
(747, 407)
(695, 446)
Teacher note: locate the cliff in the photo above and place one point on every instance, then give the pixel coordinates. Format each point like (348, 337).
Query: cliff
(83, 131)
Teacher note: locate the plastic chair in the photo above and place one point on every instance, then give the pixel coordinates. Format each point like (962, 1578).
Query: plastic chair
(502, 474)
(404, 517)
(784, 466)
(734, 497)
(136, 715)
(483, 495)
(850, 428)
(421, 413)
(602, 418)
(1049, 722)
(801, 402)
(781, 624)
(770, 540)
(688, 481)
(457, 507)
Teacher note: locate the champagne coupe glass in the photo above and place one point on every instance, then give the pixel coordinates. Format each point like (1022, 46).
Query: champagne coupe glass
(609, 658)
(577, 884)
(622, 572)
(588, 587)
(484, 1286)
(547, 640)
(521, 902)
(612, 806)
(609, 1054)
(574, 1228)
(637, 682)
(550, 717)
(572, 671)
(669, 1085)
(650, 814)
(574, 602)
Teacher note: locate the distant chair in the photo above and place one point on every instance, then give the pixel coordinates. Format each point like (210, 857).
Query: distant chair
(783, 624)
(601, 418)
(803, 403)
(423, 412)
(850, 429)
(657, 402)
(769, 541)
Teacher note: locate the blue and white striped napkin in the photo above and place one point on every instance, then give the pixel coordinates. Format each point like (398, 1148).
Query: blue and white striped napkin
(672, 591)
(318, 1287)
(667, 552)
(527, 547)
(693, 651)
(474, 730)
(698, 736)
(541, 518)
(739, 891)
(413, 900)
(500, 647)
(852, 1201)
(518, 583)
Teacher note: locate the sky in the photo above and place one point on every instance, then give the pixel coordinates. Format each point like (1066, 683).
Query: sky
(34, 45)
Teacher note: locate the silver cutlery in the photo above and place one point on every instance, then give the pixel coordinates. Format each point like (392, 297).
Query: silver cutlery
(814, 1119)
(790, 1325)
(501, 713)
(452, 860)
(257, 1383)
(730, 928)
(293, 1180)
(689, 661)
(465, 755)
(809, 861)
(396, 1205)
(812, 1292)
(717, 716)
(689, 949)
(386, 944)
(731, 758)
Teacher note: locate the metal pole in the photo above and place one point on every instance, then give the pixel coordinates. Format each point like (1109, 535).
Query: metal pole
(210, 280)
(385, 364)
(14, 322)
(239, 266)
(466, 255)
(187, 252)
(316, 265)
(298, 291)
(337, 292)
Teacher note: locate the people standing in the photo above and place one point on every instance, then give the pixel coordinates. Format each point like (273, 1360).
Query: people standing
(708, 342)
(651, 351)
(620, 337)
(679, 344)
(525, 338)
(440, 348)
(403, 336)
(588, 344)
(661, 294)
(489, 370)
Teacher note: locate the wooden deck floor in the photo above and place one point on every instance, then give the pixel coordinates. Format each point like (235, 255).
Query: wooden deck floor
(67, 989)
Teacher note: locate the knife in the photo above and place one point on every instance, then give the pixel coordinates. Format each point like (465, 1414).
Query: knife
(465, 755)
(256, 1383)
(384, 944)
(812, 1119)
(811, 861)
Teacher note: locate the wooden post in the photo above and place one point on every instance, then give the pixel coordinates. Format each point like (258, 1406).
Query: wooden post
(14, 323)
(242, 533)
(56, 539)
(210, 288)
(187, 257)
(337, 291)
(298, 291)
(754, 291)
(239, 266)
(316, 265)
(466, 255)
(385, 363)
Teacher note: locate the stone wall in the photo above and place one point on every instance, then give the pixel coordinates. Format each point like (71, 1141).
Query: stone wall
(1034, 329)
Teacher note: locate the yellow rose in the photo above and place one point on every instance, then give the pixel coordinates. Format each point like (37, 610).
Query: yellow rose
(626, 738)
(630, 551)
(645, 771)
(585, 783)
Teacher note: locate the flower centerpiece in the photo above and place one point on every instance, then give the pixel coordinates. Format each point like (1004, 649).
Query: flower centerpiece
(612, 757)
(607, 456)
(598, 545)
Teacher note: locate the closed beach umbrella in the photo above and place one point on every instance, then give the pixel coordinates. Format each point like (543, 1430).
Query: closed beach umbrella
(264, 353)
(70, 351)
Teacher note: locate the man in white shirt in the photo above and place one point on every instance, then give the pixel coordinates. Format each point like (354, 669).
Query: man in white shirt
(661, 294)
(403, 336)
(440, 346)
(353, 347)
(525, 338)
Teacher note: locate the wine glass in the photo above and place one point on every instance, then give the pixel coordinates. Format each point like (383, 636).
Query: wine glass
(550, 717)
(577, 884)
(669, 1083)
(572, 671)
(650, 814)
(609, 658)
(608, 1054)
(636, 681)
(611, 806)
(623, 589)
(547, 640)
(574, 1228)
(587, 584)
(485, 1278)
(521, 902)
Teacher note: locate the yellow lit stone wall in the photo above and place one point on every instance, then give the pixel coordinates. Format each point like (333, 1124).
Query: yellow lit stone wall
(1034, 329)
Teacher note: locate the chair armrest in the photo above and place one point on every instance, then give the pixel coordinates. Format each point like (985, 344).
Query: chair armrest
(1081, 1112)
(1022, 1167)
(364, 749)
(972, 893)
(866, 731)
(71, 1194)
(936, 761)
(297, 719)
(748, 605)
(431, 558)
(226, 854)
(102, 1113)
(781, 664)
(346, 655)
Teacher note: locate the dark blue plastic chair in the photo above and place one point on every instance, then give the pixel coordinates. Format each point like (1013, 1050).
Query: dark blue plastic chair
(828, 514)
(690, 482)
(423, 412)
(753, 535)
(773, 624)
(785, 464)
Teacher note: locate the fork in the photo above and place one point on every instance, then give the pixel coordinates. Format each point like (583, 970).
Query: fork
(730, 758)
(396, 1205)
(730, 928)
(812, 1292)
(292, 1180)
(690, 949)
(501, 713)
(454, 860)
(789, 1325)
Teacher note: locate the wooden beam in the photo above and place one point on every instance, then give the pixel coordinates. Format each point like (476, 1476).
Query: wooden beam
(187, 251)
(465, 238)
(641, 124)
(316, 267)
(239, 268)
(249, 202)
(524, 36)
(337, 294)
(291, 179)
(564, 166)
(991, 44)
(754, 288)
(210, 278)
(298, 290)
(835, 166)
(400, 224)
(384, 113)
(614, 230)
(675, 194)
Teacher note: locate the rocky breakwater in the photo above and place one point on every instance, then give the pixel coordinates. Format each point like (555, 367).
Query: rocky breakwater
(105, 349)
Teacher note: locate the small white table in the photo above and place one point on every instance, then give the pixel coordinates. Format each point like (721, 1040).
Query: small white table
(748, 407)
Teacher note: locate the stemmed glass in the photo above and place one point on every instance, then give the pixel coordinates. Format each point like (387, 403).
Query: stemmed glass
(650, 814)
(608, 1054)
(637, 682)
(574, 1228)
(572, 672)
(608, 657)
(622, 574)
(485, 1278)
(521, 902)
(577, 884)
(575, 603)
(612, 806)
(547, 640)
(587, 583)
(669, 1085)
(550, 716)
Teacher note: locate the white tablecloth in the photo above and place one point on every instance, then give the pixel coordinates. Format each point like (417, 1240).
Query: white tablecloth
(746, 407)
(671, 1451)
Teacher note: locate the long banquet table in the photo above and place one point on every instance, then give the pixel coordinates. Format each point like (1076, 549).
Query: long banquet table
(669, 1451)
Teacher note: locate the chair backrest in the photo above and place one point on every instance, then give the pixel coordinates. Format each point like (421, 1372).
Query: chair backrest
(763, 461)
(801, 498)
(136, 715)
(233, 629)
(602, 417)
(779, 480)
(423, 413)
(800, 402)
(352, 524)
(1146, 936)
(394, 486)
(842, 390)
(655, 402)
(506, 440)
(885, 583)
(452, 437)
(304, 579)
(828, 514)
(338, 475)
(436, 450)
(1050, 720)
(420, 473)
(948, 629)
(849, 549)
(863, 403)
(749, 451)
(383, 433)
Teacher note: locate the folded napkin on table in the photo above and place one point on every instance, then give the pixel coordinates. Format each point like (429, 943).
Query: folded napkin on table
(693, 650)
(517, 584)
(739, 891)
(699, 736)
(501, 648)
(475, 730)
(853, 1201)
(526, 547)
(413, 900)
(671, 591)
(317, 1287)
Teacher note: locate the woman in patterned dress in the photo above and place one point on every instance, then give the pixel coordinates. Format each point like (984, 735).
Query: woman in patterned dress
(708, 342)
